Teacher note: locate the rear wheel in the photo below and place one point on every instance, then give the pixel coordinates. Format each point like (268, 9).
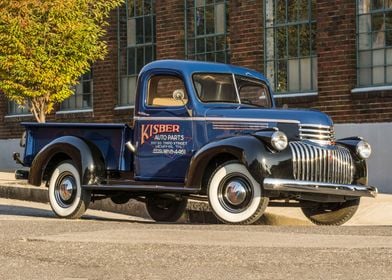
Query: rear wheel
(66, 196)
(162, 209)
(235, 197)
(331, 214)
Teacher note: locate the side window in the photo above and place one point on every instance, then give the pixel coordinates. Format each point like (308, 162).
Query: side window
(253, 92)
(166, 91)
(254, 95)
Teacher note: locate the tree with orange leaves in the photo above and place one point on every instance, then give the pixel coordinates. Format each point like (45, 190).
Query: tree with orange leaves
(46, 45)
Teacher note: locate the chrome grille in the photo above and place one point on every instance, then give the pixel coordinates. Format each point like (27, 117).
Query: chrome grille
(322, 134)
(331, 164)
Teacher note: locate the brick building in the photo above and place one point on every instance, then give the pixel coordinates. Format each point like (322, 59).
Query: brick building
(334, 56)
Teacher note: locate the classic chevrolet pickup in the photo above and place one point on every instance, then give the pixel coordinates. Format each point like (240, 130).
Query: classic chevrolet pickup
(203, 131)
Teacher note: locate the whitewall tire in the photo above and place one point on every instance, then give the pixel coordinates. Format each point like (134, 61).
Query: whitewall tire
(66, 196)
(235, 197)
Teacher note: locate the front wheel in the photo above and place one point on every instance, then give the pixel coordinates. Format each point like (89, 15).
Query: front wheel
(163, 209)
(66, 196)
(331, 214)
(235, 197)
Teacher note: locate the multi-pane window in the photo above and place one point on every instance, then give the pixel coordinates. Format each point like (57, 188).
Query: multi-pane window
(140, 46)
(82, 97)
(290, 45)
(206, 30)
(374, 42)
(15, 109)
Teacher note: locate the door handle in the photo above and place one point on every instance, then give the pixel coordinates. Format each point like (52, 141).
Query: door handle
(143, 114)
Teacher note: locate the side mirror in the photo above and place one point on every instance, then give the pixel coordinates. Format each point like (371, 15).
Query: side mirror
(179, 95)
(22, 141)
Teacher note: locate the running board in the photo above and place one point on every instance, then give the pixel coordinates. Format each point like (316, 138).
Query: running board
(141, 188)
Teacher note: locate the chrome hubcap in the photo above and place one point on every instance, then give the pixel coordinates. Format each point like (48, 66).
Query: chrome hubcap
(235, 192)
(66, 188)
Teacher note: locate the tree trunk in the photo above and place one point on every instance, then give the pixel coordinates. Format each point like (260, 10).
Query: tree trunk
(37, 107)
(42, 117)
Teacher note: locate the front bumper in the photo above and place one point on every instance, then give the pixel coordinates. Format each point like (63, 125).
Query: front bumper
(297, 186)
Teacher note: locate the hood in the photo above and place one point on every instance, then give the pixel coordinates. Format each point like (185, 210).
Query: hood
(271, 116)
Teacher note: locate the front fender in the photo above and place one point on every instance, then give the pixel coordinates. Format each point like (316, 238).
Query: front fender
(83, 154)
(361, 170)
(261, 161)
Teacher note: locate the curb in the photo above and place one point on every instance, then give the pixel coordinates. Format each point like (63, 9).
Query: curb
(197, 212)
(40, 194)
(28, 193)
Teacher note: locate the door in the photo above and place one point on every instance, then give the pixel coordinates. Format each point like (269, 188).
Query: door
(164, 131)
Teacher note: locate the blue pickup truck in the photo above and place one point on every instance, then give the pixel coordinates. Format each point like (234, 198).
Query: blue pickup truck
(203, 131)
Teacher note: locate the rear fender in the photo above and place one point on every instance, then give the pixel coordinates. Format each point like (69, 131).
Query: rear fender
(251, 151)
(83, 154)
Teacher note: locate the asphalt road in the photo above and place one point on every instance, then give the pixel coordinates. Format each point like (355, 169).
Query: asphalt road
(36, 245)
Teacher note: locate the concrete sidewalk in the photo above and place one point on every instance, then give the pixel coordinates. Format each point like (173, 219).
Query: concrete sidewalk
(372, 211)
(7, 177)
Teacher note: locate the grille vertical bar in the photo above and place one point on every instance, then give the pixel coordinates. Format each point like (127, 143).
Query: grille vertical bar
(311, 162)
(321, 164)
(324, 160)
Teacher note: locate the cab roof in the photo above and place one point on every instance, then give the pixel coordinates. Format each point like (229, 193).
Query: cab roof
(189, 67)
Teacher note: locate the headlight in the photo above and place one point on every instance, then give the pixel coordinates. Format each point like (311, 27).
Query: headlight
(364, 149)
(279, 140)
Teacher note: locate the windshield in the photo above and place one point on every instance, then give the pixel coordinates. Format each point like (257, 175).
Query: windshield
(222, 88)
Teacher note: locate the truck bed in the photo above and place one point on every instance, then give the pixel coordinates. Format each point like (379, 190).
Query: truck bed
(110, 139)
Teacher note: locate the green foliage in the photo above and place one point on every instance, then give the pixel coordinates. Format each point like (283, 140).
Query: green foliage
(45, 45)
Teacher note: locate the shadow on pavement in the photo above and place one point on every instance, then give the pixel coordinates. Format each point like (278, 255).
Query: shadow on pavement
(15, 210)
